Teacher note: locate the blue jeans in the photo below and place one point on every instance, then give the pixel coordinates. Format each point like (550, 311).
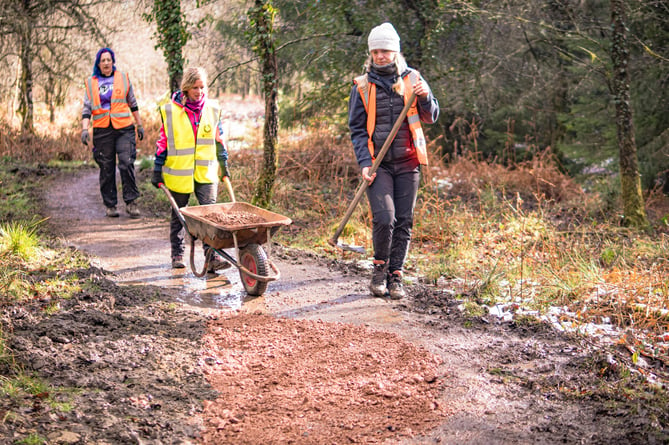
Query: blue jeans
(205, 194)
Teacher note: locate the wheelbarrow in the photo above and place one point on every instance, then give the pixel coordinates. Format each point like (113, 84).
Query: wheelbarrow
(233, 224)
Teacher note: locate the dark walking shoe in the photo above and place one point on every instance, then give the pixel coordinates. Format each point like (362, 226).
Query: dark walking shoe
(395, 287)
(378, 285)
(178, 262)
(216, 262)
(111, 212)
(132, 209)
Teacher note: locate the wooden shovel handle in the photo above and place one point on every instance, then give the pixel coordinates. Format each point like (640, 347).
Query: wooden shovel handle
(363, 186)
(228, 185)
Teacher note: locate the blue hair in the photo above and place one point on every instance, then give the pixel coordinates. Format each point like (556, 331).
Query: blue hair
(96, 68)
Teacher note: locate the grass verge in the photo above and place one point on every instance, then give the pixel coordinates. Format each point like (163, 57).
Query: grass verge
(30, 272)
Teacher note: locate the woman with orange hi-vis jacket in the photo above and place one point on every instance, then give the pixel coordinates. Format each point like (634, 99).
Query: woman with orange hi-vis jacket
(109, 108)
(376, 102)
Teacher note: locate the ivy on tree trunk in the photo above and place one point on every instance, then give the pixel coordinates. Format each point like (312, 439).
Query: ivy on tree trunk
(630, 181)
(261, 16)
(172, 37)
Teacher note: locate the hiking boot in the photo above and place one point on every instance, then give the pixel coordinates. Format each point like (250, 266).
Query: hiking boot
(216, 262)
(132, 209)
(378, 285)
(111, 212)
(178, 262)
(395, 287)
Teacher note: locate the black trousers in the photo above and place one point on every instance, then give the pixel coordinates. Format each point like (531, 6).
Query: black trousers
(108, 145)
(392, 198)
(205, 194)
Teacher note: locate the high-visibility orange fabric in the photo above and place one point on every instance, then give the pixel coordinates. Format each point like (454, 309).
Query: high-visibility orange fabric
(367, 92)
(119, 112)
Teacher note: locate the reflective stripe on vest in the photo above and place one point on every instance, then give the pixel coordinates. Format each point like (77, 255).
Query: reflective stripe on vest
(189, 160)
(367, 92)
(119, 112)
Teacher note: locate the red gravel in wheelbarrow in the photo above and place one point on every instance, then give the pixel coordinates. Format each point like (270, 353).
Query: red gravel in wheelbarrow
(234, 218)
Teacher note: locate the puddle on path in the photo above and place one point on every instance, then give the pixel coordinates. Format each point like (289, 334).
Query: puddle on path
(137, 251)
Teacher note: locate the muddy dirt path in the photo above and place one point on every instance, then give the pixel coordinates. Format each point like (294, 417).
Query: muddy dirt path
(314, 360)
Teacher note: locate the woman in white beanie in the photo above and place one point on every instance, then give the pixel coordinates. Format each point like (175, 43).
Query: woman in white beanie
(376, 102)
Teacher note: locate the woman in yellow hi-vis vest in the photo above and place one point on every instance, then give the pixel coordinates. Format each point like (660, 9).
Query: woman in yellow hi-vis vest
(376, 102)
(109, 108)
(189, 151)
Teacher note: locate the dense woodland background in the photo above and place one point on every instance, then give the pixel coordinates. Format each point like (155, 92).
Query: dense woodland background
(513, 77)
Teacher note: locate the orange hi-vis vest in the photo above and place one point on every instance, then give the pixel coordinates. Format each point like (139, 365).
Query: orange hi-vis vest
(119, 111)
(367, 92)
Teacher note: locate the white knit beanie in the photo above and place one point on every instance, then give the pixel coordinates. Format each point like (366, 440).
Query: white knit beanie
(385, 37)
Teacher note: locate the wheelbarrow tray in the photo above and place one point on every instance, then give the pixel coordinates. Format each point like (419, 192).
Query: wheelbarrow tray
(220, 235)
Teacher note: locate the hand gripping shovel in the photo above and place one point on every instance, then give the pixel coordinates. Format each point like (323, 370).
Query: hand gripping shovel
(364, 184)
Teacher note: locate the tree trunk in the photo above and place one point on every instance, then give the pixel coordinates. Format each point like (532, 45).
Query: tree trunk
(26, 106)
(50, 97)
(262, 17)
(630, 181)
(172, 37)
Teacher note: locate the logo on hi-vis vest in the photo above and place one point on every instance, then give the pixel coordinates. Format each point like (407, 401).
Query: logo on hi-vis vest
(207, 128)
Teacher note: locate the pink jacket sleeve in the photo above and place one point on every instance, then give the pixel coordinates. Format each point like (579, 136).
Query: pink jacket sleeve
(161, 143)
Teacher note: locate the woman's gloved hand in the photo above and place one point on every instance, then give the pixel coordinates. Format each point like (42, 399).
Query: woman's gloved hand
(84, 137)
(140, 132)
(224, 169)
(157, 178)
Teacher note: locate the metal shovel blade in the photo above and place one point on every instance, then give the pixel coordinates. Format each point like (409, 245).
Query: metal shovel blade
(347, 247)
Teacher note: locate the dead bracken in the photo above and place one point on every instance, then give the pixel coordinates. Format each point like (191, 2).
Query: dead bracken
(234, 218)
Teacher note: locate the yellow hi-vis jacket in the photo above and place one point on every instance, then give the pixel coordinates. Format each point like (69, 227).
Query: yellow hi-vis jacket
(190, 158)
(119, 112)
(367, 92)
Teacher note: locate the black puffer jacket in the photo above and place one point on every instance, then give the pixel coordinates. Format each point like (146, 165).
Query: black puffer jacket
(388, 108)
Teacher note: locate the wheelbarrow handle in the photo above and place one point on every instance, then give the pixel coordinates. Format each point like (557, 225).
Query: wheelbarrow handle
(164, 188)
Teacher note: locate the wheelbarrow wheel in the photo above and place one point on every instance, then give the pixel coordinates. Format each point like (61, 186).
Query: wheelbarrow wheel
(254, 258)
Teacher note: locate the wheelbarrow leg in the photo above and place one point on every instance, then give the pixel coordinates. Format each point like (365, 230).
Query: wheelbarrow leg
(192, 259)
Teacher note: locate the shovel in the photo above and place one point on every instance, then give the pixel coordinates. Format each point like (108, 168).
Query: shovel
(228, 185)
(364, 184)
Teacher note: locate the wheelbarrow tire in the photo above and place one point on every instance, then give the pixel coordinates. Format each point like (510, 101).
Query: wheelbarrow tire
(254, 258)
